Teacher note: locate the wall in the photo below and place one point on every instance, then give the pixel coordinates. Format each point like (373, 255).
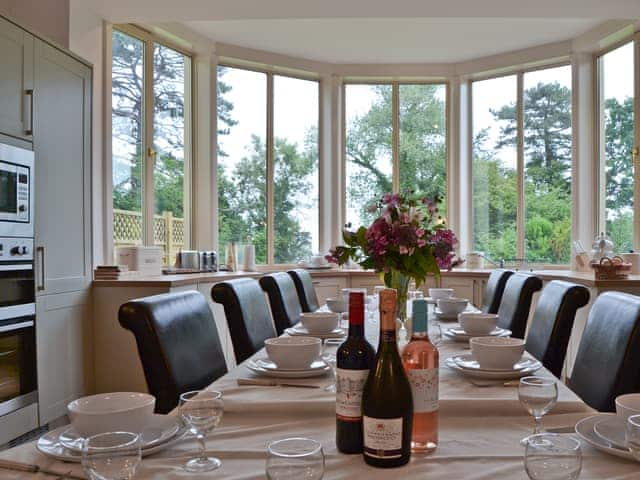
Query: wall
(48, 18)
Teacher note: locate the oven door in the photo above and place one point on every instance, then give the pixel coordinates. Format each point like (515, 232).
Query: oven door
(18, 377)
(17, 291)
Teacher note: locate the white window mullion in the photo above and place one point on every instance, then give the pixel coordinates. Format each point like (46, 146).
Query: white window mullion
(636, 146)
(148, 146)
(269, 186)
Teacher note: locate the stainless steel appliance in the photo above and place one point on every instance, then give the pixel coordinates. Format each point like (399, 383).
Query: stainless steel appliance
(16, 192)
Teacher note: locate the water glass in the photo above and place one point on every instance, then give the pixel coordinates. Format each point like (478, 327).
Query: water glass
(632, 435)
(550, 456)
(201, 411)
(331, 360)
(538, 395)
(295, 459)
(111, 456)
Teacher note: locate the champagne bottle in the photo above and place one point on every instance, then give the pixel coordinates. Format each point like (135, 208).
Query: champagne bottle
(387, 404)
(354, 358)
(420, 358)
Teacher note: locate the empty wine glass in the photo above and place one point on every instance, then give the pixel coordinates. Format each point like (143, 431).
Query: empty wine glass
(632, 435)
(295, 459)
(111, 456)
(202, 411)
(538, 395)
(331, 360)
(550, 456)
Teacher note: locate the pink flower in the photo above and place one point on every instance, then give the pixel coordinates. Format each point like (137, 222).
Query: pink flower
(420, 232)
(403, 250)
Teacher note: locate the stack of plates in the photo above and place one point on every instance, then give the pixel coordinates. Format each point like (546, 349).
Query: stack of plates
(605, 432)
(266, 368)
(65, 443)
(299, 330)
(468, 366)
(459, 335)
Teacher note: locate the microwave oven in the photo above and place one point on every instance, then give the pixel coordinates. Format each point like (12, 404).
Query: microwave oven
(16, 191)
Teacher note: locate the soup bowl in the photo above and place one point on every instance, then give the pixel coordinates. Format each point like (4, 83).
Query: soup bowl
(293, 352)
(497, 353)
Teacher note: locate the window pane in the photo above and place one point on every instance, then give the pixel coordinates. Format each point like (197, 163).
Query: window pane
(127, 116)
(423, 145)
(242, 160)
(368, 148)
(295, 164)
(494, 167)
(616, 143)
(170, 140)
(547, 159)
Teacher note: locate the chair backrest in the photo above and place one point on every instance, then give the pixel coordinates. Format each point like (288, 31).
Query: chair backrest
(285, 305)
(494, 290)
(247, 312)
(516, 302)
(609, 354)
(304, 287)
(177, 342)
(550, 329)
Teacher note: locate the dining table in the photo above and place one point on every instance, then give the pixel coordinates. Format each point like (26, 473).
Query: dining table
(479, 428)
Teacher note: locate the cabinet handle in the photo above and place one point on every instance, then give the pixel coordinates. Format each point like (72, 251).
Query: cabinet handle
(40, 250)
(29, 130)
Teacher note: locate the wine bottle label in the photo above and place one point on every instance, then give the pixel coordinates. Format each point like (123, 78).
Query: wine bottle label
(424, 386)
(382, 437)
(349, 386)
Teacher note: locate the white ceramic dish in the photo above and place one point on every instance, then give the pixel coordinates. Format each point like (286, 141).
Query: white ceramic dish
(496, 352)
(111, 412)
(478, 324)
(467, 362)
(337, 305)
(267, 364)
(487, 375)
(452, 306)
(585, 430)
(612, 429)
(300, 331)
(288, 373)
(320, 322)
(437, 293)
(295, 352)
(459, 335)
(627, 405)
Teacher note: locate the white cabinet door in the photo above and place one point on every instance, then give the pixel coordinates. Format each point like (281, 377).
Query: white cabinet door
(327, 287)
(462, 287)
(64, 354)
(62, 119)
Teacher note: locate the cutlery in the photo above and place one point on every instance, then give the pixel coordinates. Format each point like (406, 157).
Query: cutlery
(26, 467)
(480, 383)
(271, 383)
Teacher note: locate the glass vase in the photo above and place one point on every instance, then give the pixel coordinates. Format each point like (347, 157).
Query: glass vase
(400, 283)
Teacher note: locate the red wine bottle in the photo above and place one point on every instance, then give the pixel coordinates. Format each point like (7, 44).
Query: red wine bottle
(354, 358)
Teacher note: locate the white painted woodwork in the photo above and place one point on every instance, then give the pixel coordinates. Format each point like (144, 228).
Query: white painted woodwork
(328, 287)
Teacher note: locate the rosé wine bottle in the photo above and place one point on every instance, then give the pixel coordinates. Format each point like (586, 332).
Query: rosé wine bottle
(420, 360)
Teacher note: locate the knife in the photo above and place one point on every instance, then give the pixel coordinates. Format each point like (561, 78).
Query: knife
(271, 383)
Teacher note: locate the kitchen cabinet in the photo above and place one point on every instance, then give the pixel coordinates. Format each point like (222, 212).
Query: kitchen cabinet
(462, 286)
(327, 287)
(16, 81)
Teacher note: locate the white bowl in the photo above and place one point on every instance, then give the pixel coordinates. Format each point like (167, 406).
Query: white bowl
(437, 293)
(337, 305)
(627, 405)
(499, 353)
(452, 306)
(293, 352)
(111, 412)
(320, 322)
(477, 323)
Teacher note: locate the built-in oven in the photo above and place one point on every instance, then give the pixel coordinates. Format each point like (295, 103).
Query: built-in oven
(16, 192)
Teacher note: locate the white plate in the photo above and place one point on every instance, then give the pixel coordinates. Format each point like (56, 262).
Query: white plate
(467, 362)
(308, 266)
(299, 330)
(490, 375)
(612, 430)
(585, 430)
(451, 318)
(459, 335)
(267, 364)
(49, 445)
(288, 373)
(161, 429)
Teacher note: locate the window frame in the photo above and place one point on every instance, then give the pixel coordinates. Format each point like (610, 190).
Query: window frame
(269, 145)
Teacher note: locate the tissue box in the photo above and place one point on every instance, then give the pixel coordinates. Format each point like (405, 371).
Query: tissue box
(147, 260)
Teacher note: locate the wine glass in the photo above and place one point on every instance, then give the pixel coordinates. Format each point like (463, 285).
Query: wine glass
(549, 456)
(201, 411)
(538, 395)
(632, 435)
(331, 360)
(111, 456)
(295, 459)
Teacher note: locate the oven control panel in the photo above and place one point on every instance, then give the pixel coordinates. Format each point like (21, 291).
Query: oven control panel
(16, 249)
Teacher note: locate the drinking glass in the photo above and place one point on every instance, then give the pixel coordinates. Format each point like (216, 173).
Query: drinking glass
(538, 395)
(201, 411)
(632, 435)
(331, 360)
(549, 456)
(295, 459)
(111, 456)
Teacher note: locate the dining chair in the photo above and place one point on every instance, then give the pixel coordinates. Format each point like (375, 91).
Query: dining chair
(609, 353)
(285, 305)
(177, 342)
(304, 287)
(247, 312)
(550, 329)
(494, 290)
(516, 302)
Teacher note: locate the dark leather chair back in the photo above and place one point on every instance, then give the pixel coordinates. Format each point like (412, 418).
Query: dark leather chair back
(285, 306)
(609, 354)
(516, 302)
(494, 290)
(247, 312)
(178, 344)
(550, 328)
(304, 287)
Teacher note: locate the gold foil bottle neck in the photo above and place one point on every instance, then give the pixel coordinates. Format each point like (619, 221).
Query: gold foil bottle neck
(388, 302)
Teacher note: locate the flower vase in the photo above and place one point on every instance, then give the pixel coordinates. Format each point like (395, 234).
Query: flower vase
(400, 283)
